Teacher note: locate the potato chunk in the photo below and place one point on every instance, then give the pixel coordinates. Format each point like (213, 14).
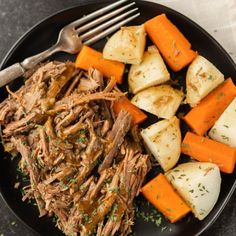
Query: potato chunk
(152, 71)
(163, 139)
(162, 101)
(224, 129)
(126, 45)
(198, 183)
(202, 78)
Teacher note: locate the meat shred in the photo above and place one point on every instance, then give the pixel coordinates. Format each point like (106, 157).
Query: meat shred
(81, 160)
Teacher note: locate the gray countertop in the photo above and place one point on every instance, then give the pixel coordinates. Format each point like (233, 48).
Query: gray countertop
(17, 16)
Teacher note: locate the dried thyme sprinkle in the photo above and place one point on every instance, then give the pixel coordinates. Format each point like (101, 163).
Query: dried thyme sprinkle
(58, 142)
(225, 137)
(210, 77)
(163, 228)
(213, 130)
(185, 145)
(13, 223)
(81, 140)
(82, 131)
(220, 95)
(54, 219)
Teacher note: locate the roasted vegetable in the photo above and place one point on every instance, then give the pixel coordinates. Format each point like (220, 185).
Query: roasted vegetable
(162, 101)
(207, 150)
(198, 184)
(124, 103)
(224, 130)
(174, 47)
(89, 57)
(202, 78)
(164, 140)
(163, 196)
(152, 71)
(127, 45)
(206, 113)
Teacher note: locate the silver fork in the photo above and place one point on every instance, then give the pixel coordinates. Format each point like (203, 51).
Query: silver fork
(73, 36)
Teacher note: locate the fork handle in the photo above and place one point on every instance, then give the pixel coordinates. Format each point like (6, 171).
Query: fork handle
(18, 69)
(10, 73)
(31, 62)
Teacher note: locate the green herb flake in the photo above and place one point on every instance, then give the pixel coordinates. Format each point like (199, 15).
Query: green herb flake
(81, 140)
(73, 180)
(163, 228)
(82, 132)
(185, 145)
(13, 223)
(210, 77)
(63, 185)
(114, 190)
(225, 137)
(58, 142)
(220, 95)
(174, 136)
(158, 221)
(54, 219)
(213, 130)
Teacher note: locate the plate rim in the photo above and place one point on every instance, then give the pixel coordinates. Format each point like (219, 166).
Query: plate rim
(43, 20)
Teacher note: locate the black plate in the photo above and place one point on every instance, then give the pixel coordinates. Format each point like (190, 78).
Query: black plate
(44, 35)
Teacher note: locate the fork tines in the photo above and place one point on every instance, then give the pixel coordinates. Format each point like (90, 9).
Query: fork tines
(117, 14)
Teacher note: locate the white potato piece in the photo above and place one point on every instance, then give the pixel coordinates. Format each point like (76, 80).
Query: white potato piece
(162, 101)
(163, 139)
(224, 130)
(152, 71)
(198, 183)
(202, 77)
(126, 45)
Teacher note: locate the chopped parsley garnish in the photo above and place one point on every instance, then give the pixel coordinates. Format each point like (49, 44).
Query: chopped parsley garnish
(210, 77)
(225, 137)
(81, 140)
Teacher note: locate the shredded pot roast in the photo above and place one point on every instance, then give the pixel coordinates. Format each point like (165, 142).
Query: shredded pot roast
(84, 164)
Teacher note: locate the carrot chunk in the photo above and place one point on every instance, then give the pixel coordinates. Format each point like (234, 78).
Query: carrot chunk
(89, 57)
(174, 47)
(207, 112)
(163, 196)
(124, 104)
(206, 150)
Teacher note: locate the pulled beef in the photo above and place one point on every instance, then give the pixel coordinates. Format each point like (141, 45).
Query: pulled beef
(116, 138)
(82, 161)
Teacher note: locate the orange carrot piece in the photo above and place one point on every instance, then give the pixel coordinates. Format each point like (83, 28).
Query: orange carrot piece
(163, 196)
(125, 104)
(89, 57)
(207, 112)
(174, 47)
(207, 150)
